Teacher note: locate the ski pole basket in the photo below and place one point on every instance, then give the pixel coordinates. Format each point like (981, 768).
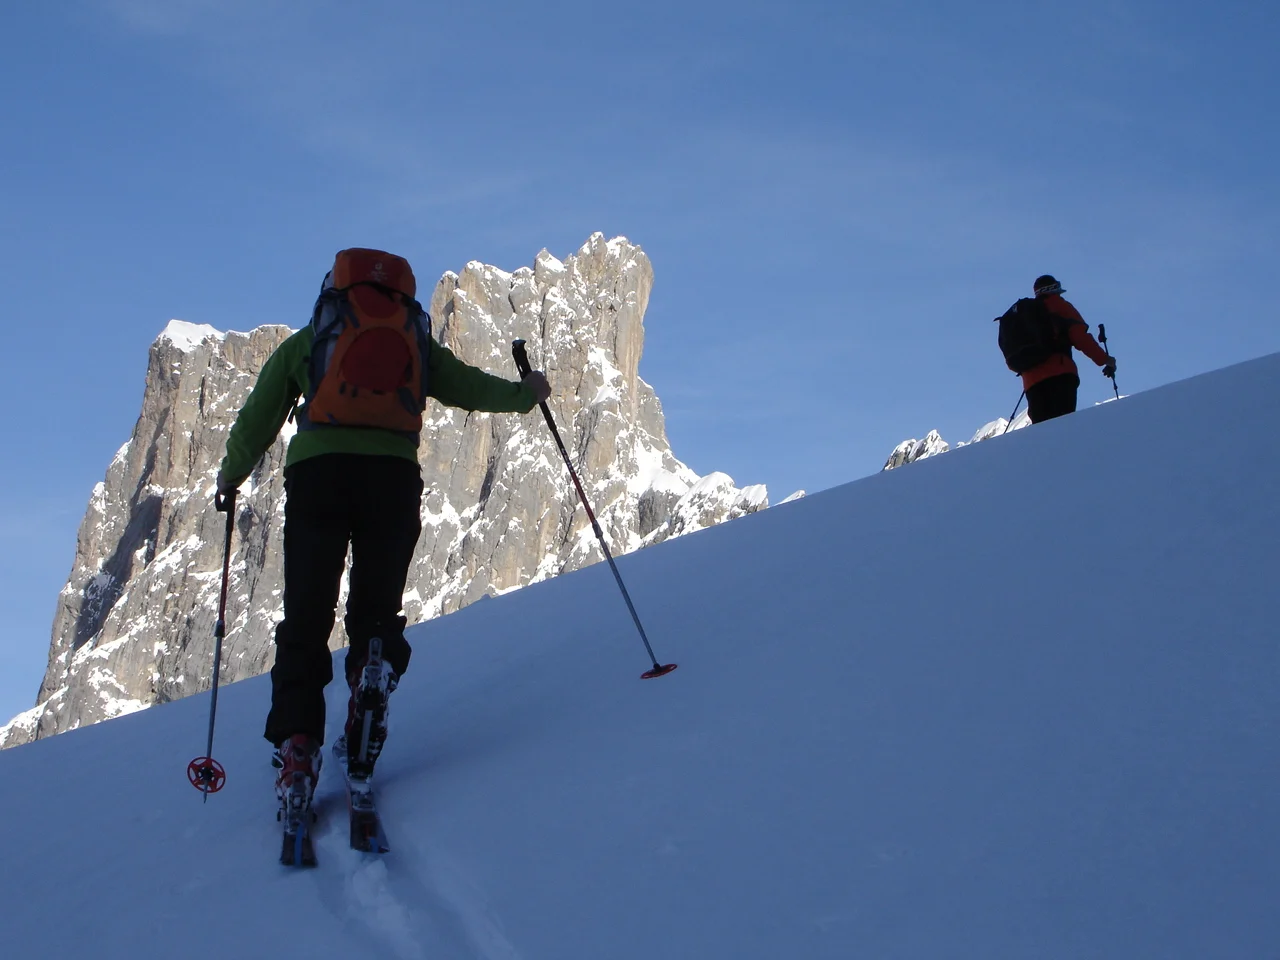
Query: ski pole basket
(206, 775)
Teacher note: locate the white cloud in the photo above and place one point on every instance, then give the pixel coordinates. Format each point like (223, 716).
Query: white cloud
(167, 17)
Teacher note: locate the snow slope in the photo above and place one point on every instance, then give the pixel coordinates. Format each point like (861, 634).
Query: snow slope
(1020, 701)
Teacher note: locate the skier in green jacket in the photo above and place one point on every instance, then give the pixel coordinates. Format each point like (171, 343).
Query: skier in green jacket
(363, 370)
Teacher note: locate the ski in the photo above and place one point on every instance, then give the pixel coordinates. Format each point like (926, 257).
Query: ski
(358, 748)
(367, 834)
(296, 849)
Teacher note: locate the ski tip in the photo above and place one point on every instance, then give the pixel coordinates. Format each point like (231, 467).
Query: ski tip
(297, 853)
(658, 671)
(369, 838)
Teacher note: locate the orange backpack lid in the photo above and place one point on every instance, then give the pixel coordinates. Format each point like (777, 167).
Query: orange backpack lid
(363, 265)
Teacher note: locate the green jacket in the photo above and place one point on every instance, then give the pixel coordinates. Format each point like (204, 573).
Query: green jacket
(284, 379)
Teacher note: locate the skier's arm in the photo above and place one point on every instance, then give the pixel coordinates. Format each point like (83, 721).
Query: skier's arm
(1083, 341)
(264, 412)
(459, 384)
(1078, 331)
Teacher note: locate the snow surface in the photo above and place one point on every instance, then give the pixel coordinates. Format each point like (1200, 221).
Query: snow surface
(902, 727)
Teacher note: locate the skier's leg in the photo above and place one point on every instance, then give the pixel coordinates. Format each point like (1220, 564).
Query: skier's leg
(385, 528)
(1070, 390)
(384, 533)
(1054, 397)
(316, 530)
(1038, 401)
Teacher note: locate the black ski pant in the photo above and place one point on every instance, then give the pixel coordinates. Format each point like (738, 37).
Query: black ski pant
(373, 504)
(1053, 397)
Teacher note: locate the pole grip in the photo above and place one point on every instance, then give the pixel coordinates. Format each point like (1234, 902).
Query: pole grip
(1102, 338)
(521, 357)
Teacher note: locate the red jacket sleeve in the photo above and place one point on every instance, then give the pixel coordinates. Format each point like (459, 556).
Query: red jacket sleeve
(1083, 341)
(1077, 330)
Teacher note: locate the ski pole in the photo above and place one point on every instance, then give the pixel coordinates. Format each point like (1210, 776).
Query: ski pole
(1102, 338)
(205, 773)
(522, 364)
(1014, 414)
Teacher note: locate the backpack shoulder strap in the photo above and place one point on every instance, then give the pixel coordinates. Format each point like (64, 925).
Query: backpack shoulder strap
(330, 295)
(1057, 325)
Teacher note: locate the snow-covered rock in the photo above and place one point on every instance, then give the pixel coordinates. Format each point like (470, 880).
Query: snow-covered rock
(909, 451)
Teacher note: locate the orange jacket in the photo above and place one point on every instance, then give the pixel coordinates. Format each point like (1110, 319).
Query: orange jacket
(1080, 337)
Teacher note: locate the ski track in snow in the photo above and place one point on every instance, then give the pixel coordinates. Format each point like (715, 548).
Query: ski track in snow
(469, 907)
(444, 914)
(356, 886)
(371, 900)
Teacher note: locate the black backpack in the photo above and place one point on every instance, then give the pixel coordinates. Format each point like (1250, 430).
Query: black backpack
(1030, 335)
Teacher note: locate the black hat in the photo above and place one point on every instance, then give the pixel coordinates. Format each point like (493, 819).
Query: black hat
(1046, 285)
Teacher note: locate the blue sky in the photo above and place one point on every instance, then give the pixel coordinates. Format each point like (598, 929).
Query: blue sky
(837, 199)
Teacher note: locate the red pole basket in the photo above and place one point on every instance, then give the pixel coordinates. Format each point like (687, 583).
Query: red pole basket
(206, 774)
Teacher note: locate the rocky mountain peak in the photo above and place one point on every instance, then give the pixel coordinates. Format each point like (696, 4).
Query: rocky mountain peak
(909, 451)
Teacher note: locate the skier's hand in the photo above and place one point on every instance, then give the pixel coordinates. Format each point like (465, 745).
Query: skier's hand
(1109, 370)
(226, 492)
(537, 382)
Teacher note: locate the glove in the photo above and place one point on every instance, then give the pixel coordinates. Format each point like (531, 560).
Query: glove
(226, 492)
(537, 382)
(1109, 370)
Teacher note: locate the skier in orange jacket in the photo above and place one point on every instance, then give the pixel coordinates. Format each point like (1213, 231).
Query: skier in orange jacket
(1051, 386)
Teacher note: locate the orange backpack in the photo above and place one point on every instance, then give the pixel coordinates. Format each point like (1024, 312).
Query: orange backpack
(370, 344)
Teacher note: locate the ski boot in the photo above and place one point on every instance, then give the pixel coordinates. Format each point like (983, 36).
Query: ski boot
(366, 729)
(298, 759)
(358, 747)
